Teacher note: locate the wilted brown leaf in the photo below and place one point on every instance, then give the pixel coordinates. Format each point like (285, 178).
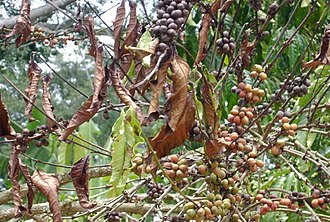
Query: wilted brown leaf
(203, 33)
(166, 139)
(175, 106)
(89, 27)
(133, 25)
(246, 50)
(211, 117)
(31, 91)
(120, 17)
(323, 58)
(27, 176)
(121, 91)
(80, 177)
(5, 129)
(48, 185)
(13, 170)
(23, 24)
(215, 148)
(47, 103)
(99, 78)
(157, 89)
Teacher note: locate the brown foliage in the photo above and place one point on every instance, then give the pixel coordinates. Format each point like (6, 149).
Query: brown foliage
(23, 24)
(120, 17)
(48, 184)
(246, 50)
(5, 129)
(31, 91)
(80, 177)
(25, 171)
(89, 27)
(47, 103)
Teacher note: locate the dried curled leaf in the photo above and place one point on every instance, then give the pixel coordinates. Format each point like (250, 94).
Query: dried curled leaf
(175, 106)
(47, 103)
(5, 129)
(133, 25)
(246, 50)
(203, 33)
(48, 185)
(93, 103)
(166, 139)
(89, 27)
(27, 176)
(13, 170)
(323, 58)
(23, 24)
(31, 91)
(121, 91)
(120, 17)
(80, 177)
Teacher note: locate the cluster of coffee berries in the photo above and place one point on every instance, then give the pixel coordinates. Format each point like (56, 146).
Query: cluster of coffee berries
(256, 4)
(258, 72)
(155, 190)
(277, 148)
(209, 209)
(240, 144)
(252, 95)
(298, 87)
(113, 217)
(22, 139)
(262, 107)
(38, 35)
(240, 115)
(226, 44)
(195, 133)
(318, 200)
(287, 128)
(176, 168)
(249, 162)
(137, 163)
(267, 204)
(171, 15)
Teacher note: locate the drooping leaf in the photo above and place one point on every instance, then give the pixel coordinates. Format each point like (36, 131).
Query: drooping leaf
(120, 17)
(31, 91)
(5, 129)
(47, 103)
(157, 89)
(133, 25)
(25, 171)
(80, 177)
(323, 58)
(121, 91)
(89, 27)
(13, 170)
(166, 139)
(48, 184)
(203, 33)
(175, 106)
(99, 78)
(23, 24)
(246, 49)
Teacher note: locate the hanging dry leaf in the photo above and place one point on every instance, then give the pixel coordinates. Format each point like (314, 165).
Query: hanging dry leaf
(166, 139)
(120, 17)
(80, 177)
(48, 185)
(203, 33)
(246, 49)
(31, 91)
(23, 24)
(13, 170)
(214, 148)
(211, 117)
(99, 78)
(47, 103)
(122, 92)
(89, 27)
(174, 107)
(323, 58)
(132, 28)
(27, 176)
(5, 129)
(156, 90)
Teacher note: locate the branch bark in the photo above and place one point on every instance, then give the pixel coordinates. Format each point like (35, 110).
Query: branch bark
(63, 178)
(36, 13)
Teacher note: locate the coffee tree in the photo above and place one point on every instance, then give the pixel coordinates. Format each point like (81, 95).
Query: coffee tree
(222, 114)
